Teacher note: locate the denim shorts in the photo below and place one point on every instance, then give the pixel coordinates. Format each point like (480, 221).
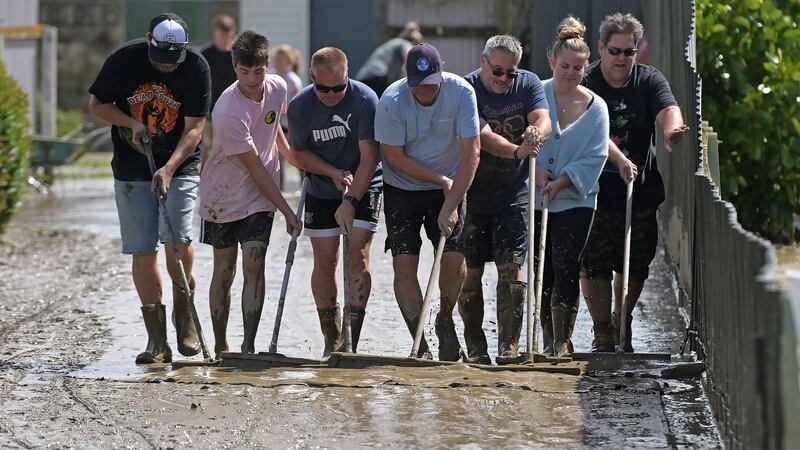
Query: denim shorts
(141, 225)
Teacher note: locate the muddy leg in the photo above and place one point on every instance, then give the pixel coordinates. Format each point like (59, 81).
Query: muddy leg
(408, 294)
(253, 253)
(635, 287)
(325, 289)
(451, 279)
(470, 306)
(360, 280)
(597, 293)
(219, 294)
(147, 278)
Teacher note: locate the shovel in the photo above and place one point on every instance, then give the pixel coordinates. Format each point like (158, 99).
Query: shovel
(626, 264)
(162, 206)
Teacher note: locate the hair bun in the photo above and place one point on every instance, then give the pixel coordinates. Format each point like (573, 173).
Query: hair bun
(570, 33)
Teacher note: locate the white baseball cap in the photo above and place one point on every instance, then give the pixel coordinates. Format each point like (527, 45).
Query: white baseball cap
(168, 39)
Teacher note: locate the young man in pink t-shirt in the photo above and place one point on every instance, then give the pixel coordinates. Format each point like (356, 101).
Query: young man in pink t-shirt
(239, 184)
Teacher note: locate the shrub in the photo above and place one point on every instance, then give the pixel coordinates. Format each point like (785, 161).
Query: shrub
(15, 146)
(748, 55)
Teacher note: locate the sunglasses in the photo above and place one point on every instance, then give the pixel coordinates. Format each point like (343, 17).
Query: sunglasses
(326, 89)
(499, 72)
(615, 51)
(164, 45)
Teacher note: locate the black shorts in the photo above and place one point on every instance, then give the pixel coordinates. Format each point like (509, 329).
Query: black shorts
(501, 237)
(606, 245)
(319, 220)
(407, 211)
(256, 227)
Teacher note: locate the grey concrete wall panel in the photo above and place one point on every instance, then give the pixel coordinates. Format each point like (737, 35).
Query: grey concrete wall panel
(354, 26)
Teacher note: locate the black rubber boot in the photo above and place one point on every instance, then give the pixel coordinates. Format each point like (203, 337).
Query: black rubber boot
(572, 316)
(356, 322)
(547, 326)
(157, 350)
(628, 346)
(331, 325)
(188, 341)
(449, 347)
(510, 300)
(603, 337)
(470, 306)
(615, 321)
(559, 316)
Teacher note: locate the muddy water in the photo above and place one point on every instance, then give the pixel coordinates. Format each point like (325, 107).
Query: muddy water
(437, 407)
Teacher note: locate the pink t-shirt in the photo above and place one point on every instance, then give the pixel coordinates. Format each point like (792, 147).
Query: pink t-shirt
(227, 192)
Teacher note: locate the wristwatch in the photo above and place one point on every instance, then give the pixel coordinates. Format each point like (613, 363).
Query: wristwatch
(353, 200)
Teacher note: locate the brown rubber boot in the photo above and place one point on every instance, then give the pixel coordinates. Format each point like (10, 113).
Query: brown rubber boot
(628, 346)
(559, 315)
(547, 326)
(603, 337)
(449, 347)
(157, 350)
(470, 306)
(510, 300)
(331, 325)
(356, 322)
(188, 342)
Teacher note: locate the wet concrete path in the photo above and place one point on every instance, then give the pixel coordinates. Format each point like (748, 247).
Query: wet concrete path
(328, 408)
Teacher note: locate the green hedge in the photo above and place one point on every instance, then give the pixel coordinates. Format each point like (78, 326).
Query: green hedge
(748, 55)
(15, 146)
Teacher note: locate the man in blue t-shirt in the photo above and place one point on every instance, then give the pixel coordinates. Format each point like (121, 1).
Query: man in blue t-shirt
(332, 137)
(510, 102)
(427, 125)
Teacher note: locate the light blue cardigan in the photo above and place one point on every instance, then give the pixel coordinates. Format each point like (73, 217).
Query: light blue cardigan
(580, 152)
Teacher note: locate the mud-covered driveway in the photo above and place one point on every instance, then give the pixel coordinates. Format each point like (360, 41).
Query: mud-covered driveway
(70, 328)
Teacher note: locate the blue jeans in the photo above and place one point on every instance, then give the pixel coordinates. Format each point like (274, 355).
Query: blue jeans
(141, 225)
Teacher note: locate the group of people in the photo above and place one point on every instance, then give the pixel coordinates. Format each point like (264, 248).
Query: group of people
(441, 152)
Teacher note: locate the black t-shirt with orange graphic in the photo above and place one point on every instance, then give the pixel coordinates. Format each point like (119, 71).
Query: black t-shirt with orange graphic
(157, 99)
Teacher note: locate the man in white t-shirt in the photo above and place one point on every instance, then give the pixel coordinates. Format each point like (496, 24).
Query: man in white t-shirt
(428, 128)
(239, 184)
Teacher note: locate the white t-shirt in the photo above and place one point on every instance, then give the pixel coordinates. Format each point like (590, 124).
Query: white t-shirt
(429, 134)
(227, 192)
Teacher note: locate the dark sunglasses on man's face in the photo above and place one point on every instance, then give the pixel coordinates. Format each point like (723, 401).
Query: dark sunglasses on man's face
(325, 89)
(164, 45)
(510, 74)
(615, 51)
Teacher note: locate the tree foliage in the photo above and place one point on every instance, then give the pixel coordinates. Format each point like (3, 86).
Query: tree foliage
(748, 55)
(15, 146)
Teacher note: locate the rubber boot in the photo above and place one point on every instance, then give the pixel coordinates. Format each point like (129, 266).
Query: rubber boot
(510, 300)
(424, 351)
(356, 322)
(572, 317)
(449, 347)
(603, 337)
(628, 346)
(615, 321)
(559, 316)
(188, 341)
(470, 306)
(331, 325)
(547, 326)
(157, 350)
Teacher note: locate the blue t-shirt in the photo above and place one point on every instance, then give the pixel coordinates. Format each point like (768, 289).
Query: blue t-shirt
(500, 182)
(333, 133)
(429, 134)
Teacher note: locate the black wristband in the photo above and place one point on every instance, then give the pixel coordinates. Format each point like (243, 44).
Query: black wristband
(516, 152)
(353, 200)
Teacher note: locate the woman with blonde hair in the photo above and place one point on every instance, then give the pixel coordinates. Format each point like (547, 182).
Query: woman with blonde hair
(567, 171)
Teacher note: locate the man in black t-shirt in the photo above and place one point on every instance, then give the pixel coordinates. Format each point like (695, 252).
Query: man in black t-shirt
(156, 89)
(510, 102)
(218, 54)
(638, 97)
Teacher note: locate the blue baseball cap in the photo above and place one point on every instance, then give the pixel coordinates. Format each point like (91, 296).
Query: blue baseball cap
(423, 65)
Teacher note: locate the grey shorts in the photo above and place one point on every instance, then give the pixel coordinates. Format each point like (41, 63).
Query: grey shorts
(253, 228)
(141, 225)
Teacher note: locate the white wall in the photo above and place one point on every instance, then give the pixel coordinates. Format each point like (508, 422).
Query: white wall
(281, 21)
(20, 55)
